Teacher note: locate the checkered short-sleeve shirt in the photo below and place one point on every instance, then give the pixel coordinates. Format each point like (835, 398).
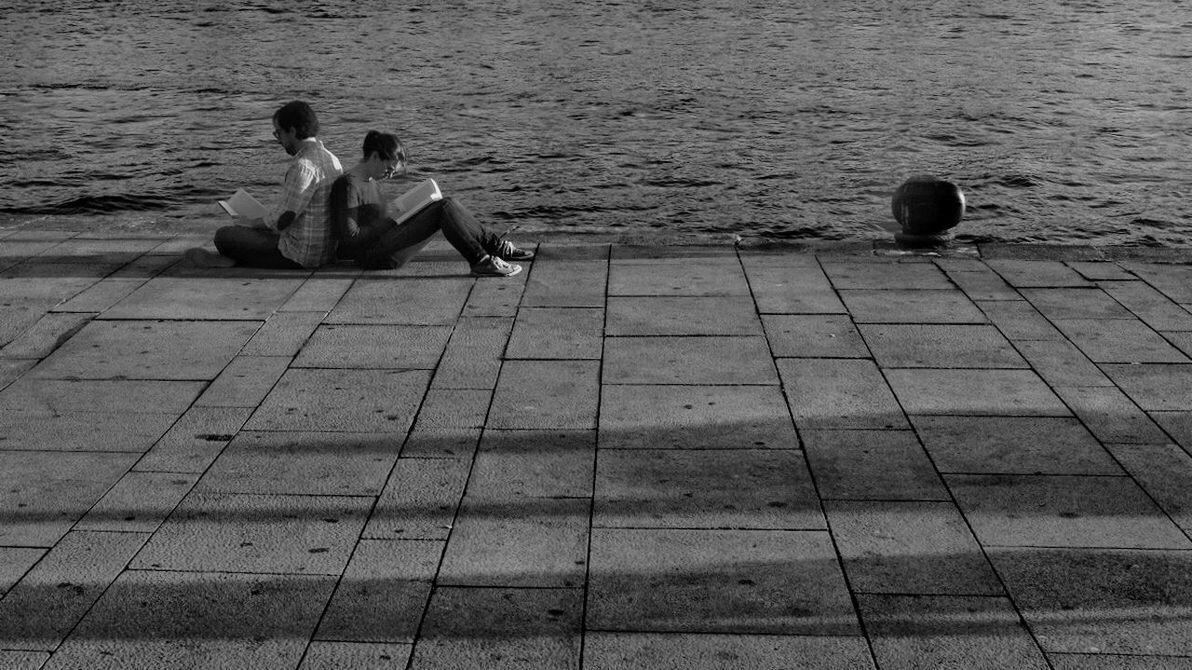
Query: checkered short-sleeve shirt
(308, 241)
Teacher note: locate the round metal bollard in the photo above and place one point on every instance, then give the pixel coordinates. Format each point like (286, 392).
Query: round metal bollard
(927, 208)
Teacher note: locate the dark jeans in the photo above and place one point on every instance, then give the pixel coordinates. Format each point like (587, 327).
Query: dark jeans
(399, 242)
(254, 247)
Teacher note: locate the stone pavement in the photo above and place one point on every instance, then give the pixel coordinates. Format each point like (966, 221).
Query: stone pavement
(626, 457)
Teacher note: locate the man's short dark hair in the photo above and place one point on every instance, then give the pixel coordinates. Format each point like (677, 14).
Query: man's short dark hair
(298, 117)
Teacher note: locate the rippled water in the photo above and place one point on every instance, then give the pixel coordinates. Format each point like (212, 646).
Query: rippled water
(1063, 120)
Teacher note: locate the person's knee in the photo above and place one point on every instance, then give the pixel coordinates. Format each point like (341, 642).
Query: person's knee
(225, 239)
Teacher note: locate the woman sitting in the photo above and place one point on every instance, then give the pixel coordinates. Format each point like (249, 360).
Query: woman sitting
(367, 234)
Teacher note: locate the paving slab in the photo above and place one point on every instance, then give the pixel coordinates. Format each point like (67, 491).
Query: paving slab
(517, 629)
(682, 315)
(495, 298)
(570, 283)
(244, 382)
(102, 295)
(46, 335)
(304, 463)
(283, 334)
(814, 336)
(15, 562)
(356, 655)
(981, 283)
(18, 315)
(451, 409)
(1155, 387)
(81, 431)
(695, 417)
(165, 350)
(138, 503)
(374, 347)
(688, 360)
(47, 285)
(180, 620)
(420, 499)
(243, 298)
(871, 465)
(1110, 415)
(1036, 273)
(712, 274)
(1120, 341)
(856, 274)
(1061, 363)
(383, 592)
(39, 612)
(524, 542)
(317, 294)
(940, 346)
(1117, 662)
(1076, 303)
(736, 488)
(514, 464)
(672, 651)
(1013, 445)
(224, 532)
(1181, 340)
(453, 443)
(1101, 271)
(120, 250)
(546, 394)
(1173, 281)
(474, 354)
(409, 301)
(1019, 320)
(909, 548)
(1063, 511)
(363, 401)
(101, 396)
(195, 440)
(717, 581)
(557, 332)
(915, 631)
(791, 289)
(1155, 309)
(911, 306)
(43, 493)
(1165, 472)
(975, 392)
(1178, 425)
(11, 370)
(1108, 601)
(23, 660)
(839, 394)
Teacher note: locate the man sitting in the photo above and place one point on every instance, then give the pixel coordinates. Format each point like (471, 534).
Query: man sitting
(297, 234)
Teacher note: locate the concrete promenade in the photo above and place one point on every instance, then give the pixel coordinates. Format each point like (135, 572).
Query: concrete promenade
(627, 457)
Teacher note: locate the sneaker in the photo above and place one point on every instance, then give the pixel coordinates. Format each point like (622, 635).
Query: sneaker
(508, 251)
(491, 266)
(201, 258)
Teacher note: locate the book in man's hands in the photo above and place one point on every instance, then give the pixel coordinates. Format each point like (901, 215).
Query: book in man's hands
(414, 200)
(241, 204)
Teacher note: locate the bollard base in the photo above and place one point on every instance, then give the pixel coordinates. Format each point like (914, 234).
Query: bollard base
(914, 241)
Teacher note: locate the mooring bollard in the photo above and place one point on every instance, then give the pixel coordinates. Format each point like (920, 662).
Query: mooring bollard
(927, 208)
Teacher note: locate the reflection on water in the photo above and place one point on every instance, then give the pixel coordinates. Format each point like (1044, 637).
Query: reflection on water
(1063, 122)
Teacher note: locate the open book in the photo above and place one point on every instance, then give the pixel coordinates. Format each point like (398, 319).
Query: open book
(244, 205)
(414, 200)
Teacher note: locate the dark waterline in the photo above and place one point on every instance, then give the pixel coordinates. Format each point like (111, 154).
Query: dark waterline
(1064, 121)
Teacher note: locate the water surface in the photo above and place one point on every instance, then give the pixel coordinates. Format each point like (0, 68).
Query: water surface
(1063, 121)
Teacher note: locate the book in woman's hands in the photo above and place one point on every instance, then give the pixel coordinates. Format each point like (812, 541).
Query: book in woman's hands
(242, 205)
(414, 200)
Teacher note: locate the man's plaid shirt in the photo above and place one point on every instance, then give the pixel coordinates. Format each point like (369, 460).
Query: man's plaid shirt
(307, 241)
